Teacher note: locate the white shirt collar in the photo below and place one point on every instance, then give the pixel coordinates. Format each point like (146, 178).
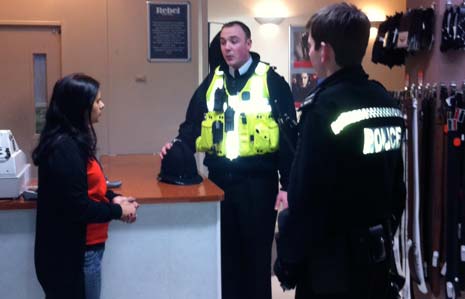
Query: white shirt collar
(244, 68)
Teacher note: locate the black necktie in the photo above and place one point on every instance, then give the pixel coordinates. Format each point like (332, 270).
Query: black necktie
(236, 74)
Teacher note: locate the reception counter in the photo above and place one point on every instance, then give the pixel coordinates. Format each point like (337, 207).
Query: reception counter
(172, 251)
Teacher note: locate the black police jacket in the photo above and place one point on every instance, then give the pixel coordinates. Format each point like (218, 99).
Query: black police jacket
(347, 175)
(283, 108)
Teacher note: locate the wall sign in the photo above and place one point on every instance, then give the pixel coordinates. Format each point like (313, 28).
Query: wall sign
(169, 31)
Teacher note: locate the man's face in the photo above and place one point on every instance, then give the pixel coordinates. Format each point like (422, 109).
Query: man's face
(304, 77)
(315, 57)
(235, 47)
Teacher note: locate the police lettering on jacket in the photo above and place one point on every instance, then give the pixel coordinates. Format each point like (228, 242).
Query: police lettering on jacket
(377, 139)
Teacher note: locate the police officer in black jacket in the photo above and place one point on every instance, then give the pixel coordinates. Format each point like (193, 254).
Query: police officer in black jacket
(241, 116)
(346, 191)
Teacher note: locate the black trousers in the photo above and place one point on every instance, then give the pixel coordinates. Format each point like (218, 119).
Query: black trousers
(247, 229)
(365, 283)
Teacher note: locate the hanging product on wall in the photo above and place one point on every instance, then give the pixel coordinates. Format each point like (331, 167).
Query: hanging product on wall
(416, 234)
(420, 34)
(385, 50)
(403, 34)
(453, 28)
(454, 187)
(461, 26)
(440, 200)
(446, 28)
(434, 179)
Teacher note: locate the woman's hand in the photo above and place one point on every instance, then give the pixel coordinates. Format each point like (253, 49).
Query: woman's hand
(129, 206)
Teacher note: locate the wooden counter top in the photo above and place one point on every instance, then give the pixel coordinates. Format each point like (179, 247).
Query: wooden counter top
(16, 204)
(139, 176)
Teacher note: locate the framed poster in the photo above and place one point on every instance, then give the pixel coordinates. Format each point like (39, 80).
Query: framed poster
(169, 31)
(302, 75)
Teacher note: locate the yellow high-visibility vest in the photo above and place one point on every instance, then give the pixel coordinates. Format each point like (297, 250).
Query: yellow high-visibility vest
(255, 131)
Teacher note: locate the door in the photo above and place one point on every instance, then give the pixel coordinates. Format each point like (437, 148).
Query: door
(30, 64)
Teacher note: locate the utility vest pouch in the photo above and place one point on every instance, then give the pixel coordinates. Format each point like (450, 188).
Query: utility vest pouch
(265, 134)
(274, 133)
(204, 142)
(261, 137)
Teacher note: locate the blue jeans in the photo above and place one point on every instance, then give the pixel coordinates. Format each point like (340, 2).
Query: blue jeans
(93, 272)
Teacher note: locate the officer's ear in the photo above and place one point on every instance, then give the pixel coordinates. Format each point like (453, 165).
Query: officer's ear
(248, 43)
(327, 52)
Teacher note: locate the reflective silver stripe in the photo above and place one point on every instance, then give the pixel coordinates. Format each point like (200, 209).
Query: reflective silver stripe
(351, 117)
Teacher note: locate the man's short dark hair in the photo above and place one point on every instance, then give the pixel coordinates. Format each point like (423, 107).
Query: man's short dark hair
(345, 27)
(244, 27)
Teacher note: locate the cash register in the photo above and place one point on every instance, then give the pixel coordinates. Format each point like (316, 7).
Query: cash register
(14, 169)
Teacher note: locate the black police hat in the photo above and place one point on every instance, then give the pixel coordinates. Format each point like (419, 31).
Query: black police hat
(178, 167)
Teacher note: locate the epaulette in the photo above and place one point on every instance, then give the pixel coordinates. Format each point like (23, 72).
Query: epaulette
(261, 68)
(308, 101)
(218, 72)
(378, 83)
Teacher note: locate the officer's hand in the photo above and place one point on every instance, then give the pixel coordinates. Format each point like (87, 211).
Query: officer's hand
(286, 273)
(165, 149)
(281, 200)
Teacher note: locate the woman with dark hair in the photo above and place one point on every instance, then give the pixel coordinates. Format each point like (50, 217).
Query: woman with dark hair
(74, 205)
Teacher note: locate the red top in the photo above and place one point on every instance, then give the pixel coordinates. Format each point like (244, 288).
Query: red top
(96, 232)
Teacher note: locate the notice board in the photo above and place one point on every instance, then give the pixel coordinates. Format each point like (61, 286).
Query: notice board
(169, 31)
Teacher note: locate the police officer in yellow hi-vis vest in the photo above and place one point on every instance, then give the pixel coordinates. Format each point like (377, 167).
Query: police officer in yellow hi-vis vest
(242, 116)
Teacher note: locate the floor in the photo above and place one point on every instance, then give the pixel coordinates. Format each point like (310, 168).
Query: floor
(278, 292)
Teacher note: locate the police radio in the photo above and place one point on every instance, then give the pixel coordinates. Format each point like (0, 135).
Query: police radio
(282, 121)
(217, 131)
(220, 98)
(229, 119)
